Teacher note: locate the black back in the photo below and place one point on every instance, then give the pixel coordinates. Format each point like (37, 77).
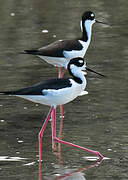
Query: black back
(53, 84)
(56, 48)
(38, 88)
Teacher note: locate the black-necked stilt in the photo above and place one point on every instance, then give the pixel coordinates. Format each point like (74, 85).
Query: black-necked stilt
(55, 92)
(60, 52)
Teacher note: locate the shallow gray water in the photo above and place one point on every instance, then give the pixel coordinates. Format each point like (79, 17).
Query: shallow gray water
(97, 120)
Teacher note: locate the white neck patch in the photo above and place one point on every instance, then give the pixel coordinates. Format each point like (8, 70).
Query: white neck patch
(81, 26)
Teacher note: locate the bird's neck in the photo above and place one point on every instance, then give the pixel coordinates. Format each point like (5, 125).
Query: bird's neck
(86, 27)
(77, 75)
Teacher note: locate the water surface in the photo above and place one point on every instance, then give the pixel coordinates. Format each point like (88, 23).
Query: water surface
(97, 120)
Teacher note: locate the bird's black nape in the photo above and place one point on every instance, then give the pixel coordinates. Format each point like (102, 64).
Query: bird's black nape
(78, 62)
(88, 15)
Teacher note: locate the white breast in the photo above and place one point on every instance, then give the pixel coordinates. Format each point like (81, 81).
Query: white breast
(77, 53)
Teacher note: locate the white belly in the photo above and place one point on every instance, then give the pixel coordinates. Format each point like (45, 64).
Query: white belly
(55, 61)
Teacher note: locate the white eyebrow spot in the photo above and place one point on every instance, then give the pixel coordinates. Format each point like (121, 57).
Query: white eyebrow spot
(92, 15)
(80, 61)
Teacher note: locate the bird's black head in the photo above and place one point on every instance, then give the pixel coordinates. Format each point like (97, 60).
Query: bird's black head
(88, 15)
(78, 61)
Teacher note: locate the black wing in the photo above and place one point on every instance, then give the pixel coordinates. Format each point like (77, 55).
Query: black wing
(38, 88)
(56, 49)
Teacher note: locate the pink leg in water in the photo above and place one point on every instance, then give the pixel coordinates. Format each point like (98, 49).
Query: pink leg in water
(40, 173)
(60, 137)
(58, 153)
(61, 127)
(40, 136)
(71, 144)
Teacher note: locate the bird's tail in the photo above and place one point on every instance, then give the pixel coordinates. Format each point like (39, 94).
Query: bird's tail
(32, 52)
(7, 93)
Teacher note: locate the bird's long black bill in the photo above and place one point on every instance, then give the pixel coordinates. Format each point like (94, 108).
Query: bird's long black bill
(88, 69)
(102, 22)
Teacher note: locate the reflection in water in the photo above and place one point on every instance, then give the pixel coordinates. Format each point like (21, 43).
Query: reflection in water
(101, 118)
(59, 144)
(70, 174)
(66, 173)
(11, 159)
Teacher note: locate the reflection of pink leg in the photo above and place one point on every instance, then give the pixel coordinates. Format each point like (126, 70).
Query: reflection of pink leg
(40, 173)
(66, 175)
(40, 136)
(71, 144)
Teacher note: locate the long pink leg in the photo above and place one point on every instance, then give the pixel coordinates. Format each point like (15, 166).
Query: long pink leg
(71, 144)
(53, 127)
(61, 110)
(40, 173)
(60, 130)
(59, 145)
(61, 74)
(60, 137)
(40, 136)
(61, 106)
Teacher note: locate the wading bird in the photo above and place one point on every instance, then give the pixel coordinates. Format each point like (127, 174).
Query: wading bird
(60, 52)
(55, 92)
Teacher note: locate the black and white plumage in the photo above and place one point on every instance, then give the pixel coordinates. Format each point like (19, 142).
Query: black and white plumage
(56, 91)
(60, 52)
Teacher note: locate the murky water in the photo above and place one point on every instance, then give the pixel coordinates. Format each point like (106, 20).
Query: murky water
(97, 121)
